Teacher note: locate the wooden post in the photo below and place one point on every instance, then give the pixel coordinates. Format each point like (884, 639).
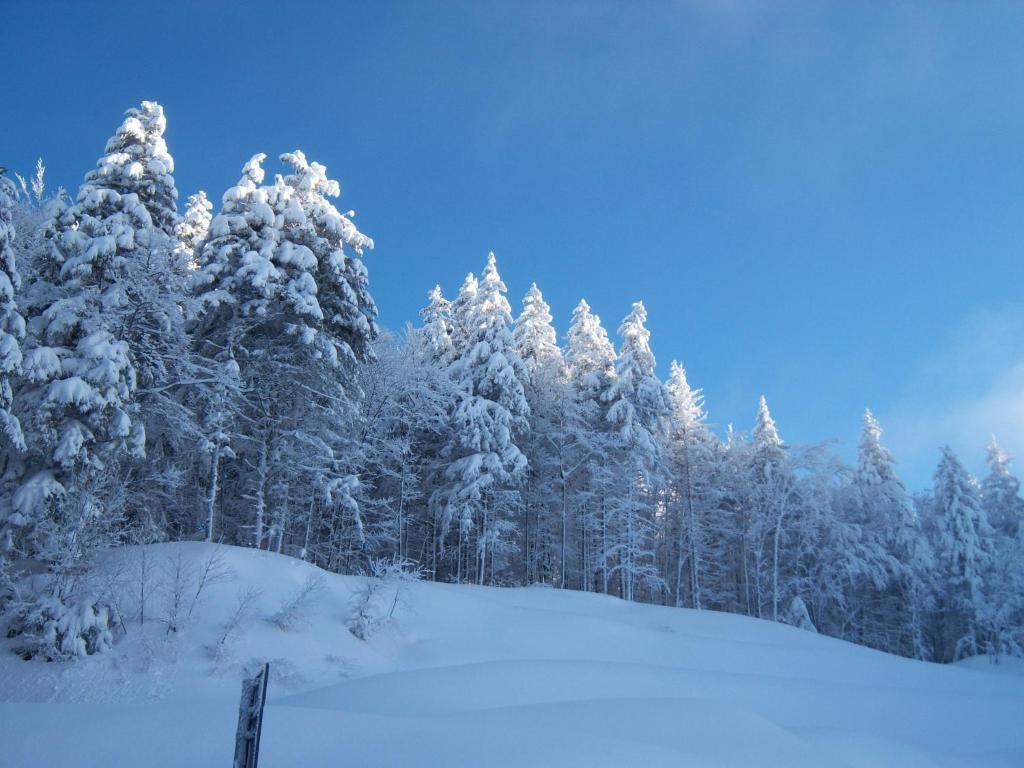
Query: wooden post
(250, 719)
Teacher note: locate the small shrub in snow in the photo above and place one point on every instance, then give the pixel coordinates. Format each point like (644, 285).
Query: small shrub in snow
(177, 577)
(213, 570)
(61, 606)
(54, 629)
(365, 617)
(376, 603)
(245, 604)
(183, 585)
(294, 610)
(798, 616)
(395, 569)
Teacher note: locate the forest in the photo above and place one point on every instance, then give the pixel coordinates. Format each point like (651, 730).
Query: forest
(221, 375)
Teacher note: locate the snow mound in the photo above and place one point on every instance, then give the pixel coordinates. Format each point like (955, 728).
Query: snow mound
(475, 676)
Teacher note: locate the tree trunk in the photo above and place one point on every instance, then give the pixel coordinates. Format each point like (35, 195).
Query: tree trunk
(262, 473)
(211, 496)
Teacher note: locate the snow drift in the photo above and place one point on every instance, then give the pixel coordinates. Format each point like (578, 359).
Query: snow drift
(460, 675)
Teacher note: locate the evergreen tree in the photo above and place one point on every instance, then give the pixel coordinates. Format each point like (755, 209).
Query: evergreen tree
(12, 324)
(486, 465)
(1000, 493)
(589, 353)
(1004, 512)
(323, 303)
(232, 285)
(462, 316)
(773, 488)
(193, 227)
(436, 333)
(887, 549)
(545, 524)
(81, 370)
(691, 455)
(588, 475)
(638, 408)
(80, 361)
(282, 298)
(963, 558)
(535, 338)
(135, 162)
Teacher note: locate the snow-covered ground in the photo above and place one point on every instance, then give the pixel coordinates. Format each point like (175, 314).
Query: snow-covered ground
(474, 676)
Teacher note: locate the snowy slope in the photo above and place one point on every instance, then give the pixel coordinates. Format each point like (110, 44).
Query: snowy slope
(501, 677)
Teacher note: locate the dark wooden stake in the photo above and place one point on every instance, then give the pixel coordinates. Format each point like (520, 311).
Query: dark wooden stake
(250, 719)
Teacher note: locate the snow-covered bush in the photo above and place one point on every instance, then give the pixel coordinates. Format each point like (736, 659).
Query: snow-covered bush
(182, 584)
(297, 606)
(796, 615)
(240, 615)
(54, 628)
(381, 595)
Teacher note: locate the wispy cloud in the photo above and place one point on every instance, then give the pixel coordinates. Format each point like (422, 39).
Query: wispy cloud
(969, 391)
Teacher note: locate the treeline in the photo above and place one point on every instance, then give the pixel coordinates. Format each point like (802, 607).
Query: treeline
(223, 378)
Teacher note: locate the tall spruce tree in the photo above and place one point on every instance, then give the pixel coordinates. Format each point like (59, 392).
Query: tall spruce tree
(486, 466)
(462, 316)
(1000, 493)
(963, 558)
(691, 497)
(887, 549)
(82, 375)
(637, 412)
(773, 485)
(283, 296)
(436, 333)
(12, 324)
(545, 527)
(589, 476)
(193, 227)
(80, 362)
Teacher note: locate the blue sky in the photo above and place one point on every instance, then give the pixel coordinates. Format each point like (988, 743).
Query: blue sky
(820, 202)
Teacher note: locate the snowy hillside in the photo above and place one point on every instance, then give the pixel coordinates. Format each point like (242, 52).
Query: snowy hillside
(475, 676)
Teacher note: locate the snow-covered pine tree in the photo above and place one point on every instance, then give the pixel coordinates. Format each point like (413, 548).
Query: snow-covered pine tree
(12, 324)
(798, 544)
(544, 514)
(154, 303)
(733, 540)
(83, 315)
(590, 359)
(80, 360)
(1004, 511)
(1000, 493)
(326, 286)
(773, 488)
(638, 410)
(436, 334)
(638, 401)
(963, 558)
(462, 316)
(193, 228)
(235, 275)
(232, 284)
(329, 310)
(408, 398)
(766, 440)
(283, 292)
(589, 352)
(535, 337)
(887, 552)
(486, 464)
(691, 455)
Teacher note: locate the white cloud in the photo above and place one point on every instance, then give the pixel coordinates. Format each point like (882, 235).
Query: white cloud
(962, 396)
